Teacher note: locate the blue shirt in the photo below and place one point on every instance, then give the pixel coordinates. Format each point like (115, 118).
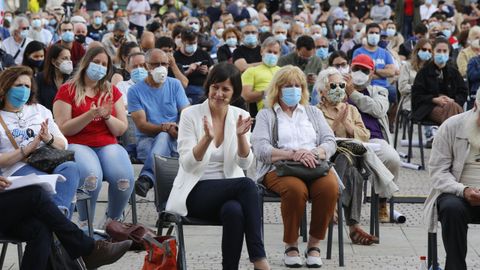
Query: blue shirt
(381, 58)
(161, 105)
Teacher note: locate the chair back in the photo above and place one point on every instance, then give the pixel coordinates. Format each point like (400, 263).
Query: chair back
(165, 171)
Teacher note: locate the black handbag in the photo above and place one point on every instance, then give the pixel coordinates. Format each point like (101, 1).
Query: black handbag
(45, 158)
(296, 168)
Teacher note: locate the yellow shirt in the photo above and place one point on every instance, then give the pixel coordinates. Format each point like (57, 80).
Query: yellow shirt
(259, 78)
(360, 132)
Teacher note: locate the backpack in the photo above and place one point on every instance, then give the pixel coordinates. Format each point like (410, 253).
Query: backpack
(60, 260)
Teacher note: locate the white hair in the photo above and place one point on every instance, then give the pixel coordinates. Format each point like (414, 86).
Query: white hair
(477, 100)
(16, 23)
(315, 26)
(321, 38)
(278, 25)
(323, 77)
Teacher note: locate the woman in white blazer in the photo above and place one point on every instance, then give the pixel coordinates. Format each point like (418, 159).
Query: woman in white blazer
(214, 148)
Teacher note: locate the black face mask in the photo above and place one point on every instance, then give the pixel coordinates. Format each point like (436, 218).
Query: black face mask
(118, 38)
(80, 38)
(35, 63)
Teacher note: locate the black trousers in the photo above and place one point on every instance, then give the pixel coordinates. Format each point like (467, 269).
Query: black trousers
(235, 203)
(30, 215)
(455, 214)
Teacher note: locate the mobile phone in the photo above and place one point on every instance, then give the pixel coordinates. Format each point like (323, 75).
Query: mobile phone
(204, 62)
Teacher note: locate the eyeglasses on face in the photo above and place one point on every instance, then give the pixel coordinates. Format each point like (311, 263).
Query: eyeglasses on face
(340, 85)
(341, 65)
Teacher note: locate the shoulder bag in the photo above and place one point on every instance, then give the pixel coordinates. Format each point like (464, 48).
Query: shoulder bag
(296, 168)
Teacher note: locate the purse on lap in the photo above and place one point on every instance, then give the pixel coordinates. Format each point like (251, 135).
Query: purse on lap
(296, 168)
(45, 158)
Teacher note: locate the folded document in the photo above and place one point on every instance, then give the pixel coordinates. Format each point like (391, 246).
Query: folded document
(47, 181)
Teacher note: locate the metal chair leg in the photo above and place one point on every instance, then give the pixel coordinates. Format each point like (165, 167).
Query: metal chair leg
(432, 251)
(410, 138)
(303, 229)
(133, 203)
(20, 253)
(181, 256)
(89, 216)
(329, 241)
(3, 254)
(261, 203)
(340, 232)
(420, 143)
(397, 124)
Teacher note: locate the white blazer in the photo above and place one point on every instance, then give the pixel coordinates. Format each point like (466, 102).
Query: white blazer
(190, 171)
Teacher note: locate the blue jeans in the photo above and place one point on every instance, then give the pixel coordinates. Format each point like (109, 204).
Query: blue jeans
(65, 190)
(195, 94)
(110, 163)
(163, 144)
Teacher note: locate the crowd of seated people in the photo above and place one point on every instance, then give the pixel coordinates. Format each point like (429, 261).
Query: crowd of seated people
(190, 80)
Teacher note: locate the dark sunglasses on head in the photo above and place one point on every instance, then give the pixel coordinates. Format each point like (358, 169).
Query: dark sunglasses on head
(340, 85)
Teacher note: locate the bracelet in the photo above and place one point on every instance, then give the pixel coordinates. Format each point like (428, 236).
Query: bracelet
(51, 140)
(22, 151)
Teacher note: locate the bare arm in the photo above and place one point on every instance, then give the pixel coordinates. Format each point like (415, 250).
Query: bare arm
(387, 72)
(279, 154)
(140, 120)
(242, 65)
(180, 76)
(118, 124)
(251, 96)
(62, 112)
(116, 78)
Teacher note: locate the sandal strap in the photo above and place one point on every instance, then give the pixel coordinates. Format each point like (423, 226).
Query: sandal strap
(292, 249)
(313, 249)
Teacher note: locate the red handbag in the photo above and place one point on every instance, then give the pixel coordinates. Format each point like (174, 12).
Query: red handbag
(161, 253)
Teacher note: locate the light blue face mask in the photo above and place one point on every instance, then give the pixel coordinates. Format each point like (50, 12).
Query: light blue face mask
(242, 24)
(440, 58)
(424, 55)
(138, 74)
(322, 53)
(36, 23)
(250, 40)
(281, 38)
(18, 96)
(68, 36)
(53, 22)
(373, 39)
(24, 33)
(270, 59)
(231, 42)
(338, 27)
(447, 33)
(96, 72)
(265, 29)
(324, 31)
(391, 32)
(291, 96)
(190, 48)
(98, 20)
(255, 22)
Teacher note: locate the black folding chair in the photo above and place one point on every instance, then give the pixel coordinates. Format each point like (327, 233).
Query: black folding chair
(166, 169)
(5, 241)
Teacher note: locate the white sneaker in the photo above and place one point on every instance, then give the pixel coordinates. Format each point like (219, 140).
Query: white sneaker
(313, 261)
(292, 261)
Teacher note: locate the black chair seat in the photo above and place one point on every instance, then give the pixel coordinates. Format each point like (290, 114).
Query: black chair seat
(171, 217)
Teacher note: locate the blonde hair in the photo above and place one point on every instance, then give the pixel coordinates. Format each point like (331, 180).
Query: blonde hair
(78, 79)
(286, 75)
(473, 31)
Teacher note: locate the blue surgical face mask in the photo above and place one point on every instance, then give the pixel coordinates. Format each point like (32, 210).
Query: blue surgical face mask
(322, 53)
(250, 40)
(440, 58)
(265, 29)
(96, 72)
(231, 42)
(36, 23)
(424, 55)
(383, 44)
(110, 27)
(138, 74)
(291, 96)
(324, 31)
(24, 33)
(97, 20)
(447, 33)
(391, 32)
(270, 59)
(18, 96)
(281, 37)
(68, 36)
(190, 48)
(53, 22)
(255, 22)
(373, 39)
(242, 24)
(338, 27)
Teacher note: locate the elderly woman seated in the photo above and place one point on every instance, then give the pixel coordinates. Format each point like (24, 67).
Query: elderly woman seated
(303, 135)
(346, 122)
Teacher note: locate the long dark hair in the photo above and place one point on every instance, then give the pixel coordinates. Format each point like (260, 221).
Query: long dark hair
(32, 47)
(48, 67)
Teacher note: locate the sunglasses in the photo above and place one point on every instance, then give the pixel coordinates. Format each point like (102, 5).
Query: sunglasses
(335, 85)
(364, 70)
(426, 50)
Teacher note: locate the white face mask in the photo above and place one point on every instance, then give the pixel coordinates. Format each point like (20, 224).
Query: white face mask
(66, 67)
(159, 74)
(344, 70)
(475, 43)
(359, 78)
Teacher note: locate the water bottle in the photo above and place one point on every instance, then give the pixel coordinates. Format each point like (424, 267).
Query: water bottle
(423, 263)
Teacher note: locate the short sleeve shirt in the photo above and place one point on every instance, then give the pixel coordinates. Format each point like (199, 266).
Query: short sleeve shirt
(161, 105)
(259, 78)
(381, 58)
(250, 55)
(138, 7)
(96, 133)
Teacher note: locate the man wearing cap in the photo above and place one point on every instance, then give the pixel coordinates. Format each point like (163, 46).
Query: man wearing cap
(454, 198)
(67, 40)
(372, 103)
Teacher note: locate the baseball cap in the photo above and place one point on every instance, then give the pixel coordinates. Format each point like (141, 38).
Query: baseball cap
(363, 60)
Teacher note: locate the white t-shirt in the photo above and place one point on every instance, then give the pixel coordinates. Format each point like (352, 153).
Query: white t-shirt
(11, 47)
(214, 168)
(426, 12)
(136, 7)
(24, 127)
(123, 86)
(43, 36)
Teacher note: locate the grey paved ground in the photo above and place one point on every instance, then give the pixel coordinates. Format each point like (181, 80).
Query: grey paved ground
(400, 245)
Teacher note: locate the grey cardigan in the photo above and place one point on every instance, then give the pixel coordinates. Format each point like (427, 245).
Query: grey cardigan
(261, 139)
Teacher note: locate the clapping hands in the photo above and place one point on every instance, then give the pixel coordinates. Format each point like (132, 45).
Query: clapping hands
(244, 125)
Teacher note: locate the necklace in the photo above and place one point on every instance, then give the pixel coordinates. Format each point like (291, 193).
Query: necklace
(22, 123)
